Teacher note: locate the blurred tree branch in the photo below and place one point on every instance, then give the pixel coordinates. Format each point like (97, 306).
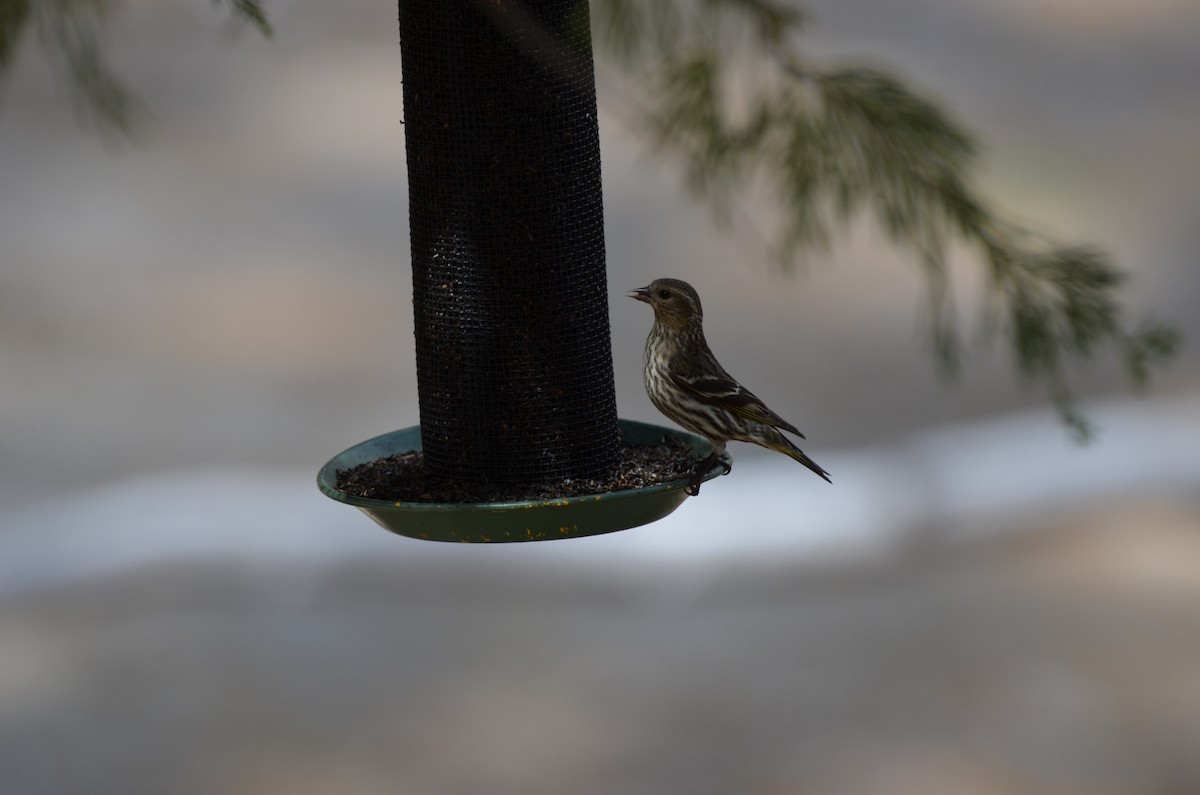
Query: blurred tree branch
(70, 31)
(252, 12)
(721, 86)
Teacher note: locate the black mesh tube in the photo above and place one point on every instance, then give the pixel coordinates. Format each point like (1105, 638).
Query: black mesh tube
(514, 358)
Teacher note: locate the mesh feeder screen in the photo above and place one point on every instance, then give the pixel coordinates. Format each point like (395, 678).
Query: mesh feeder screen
(514, 359)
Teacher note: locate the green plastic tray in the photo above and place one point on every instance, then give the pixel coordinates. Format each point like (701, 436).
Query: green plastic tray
(502, 522)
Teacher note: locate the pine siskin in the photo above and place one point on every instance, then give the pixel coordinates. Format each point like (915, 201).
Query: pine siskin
(686, 383)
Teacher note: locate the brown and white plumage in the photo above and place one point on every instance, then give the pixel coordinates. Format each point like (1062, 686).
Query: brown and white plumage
(686, 382)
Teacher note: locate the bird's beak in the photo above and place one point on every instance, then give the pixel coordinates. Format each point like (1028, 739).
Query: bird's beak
(641, 294)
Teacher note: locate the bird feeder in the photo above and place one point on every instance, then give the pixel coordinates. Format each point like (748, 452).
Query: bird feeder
(514, 359)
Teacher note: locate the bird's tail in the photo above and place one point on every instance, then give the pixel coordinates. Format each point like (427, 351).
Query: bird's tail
(785, 446)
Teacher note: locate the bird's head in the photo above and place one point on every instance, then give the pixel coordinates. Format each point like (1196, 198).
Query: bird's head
(674, 302)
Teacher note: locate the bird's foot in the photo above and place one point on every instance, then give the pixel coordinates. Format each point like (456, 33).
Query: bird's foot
(693, 487)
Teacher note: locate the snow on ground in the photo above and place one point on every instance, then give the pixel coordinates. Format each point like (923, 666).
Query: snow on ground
(994, 474)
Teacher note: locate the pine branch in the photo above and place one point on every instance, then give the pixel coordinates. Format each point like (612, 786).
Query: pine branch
(71, 30)
(14, 18)
(833, 143)
(251, 11)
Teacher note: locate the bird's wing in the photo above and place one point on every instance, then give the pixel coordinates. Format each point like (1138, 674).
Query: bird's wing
(724, 392)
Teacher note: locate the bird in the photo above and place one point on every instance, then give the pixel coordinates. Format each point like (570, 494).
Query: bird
(686, 383)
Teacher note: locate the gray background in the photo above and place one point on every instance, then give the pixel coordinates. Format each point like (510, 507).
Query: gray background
(191, 327)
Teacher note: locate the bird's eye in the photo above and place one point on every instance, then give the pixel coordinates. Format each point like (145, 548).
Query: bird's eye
(664, 294)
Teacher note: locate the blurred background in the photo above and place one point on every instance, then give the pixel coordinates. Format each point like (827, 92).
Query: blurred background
(191, 326)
